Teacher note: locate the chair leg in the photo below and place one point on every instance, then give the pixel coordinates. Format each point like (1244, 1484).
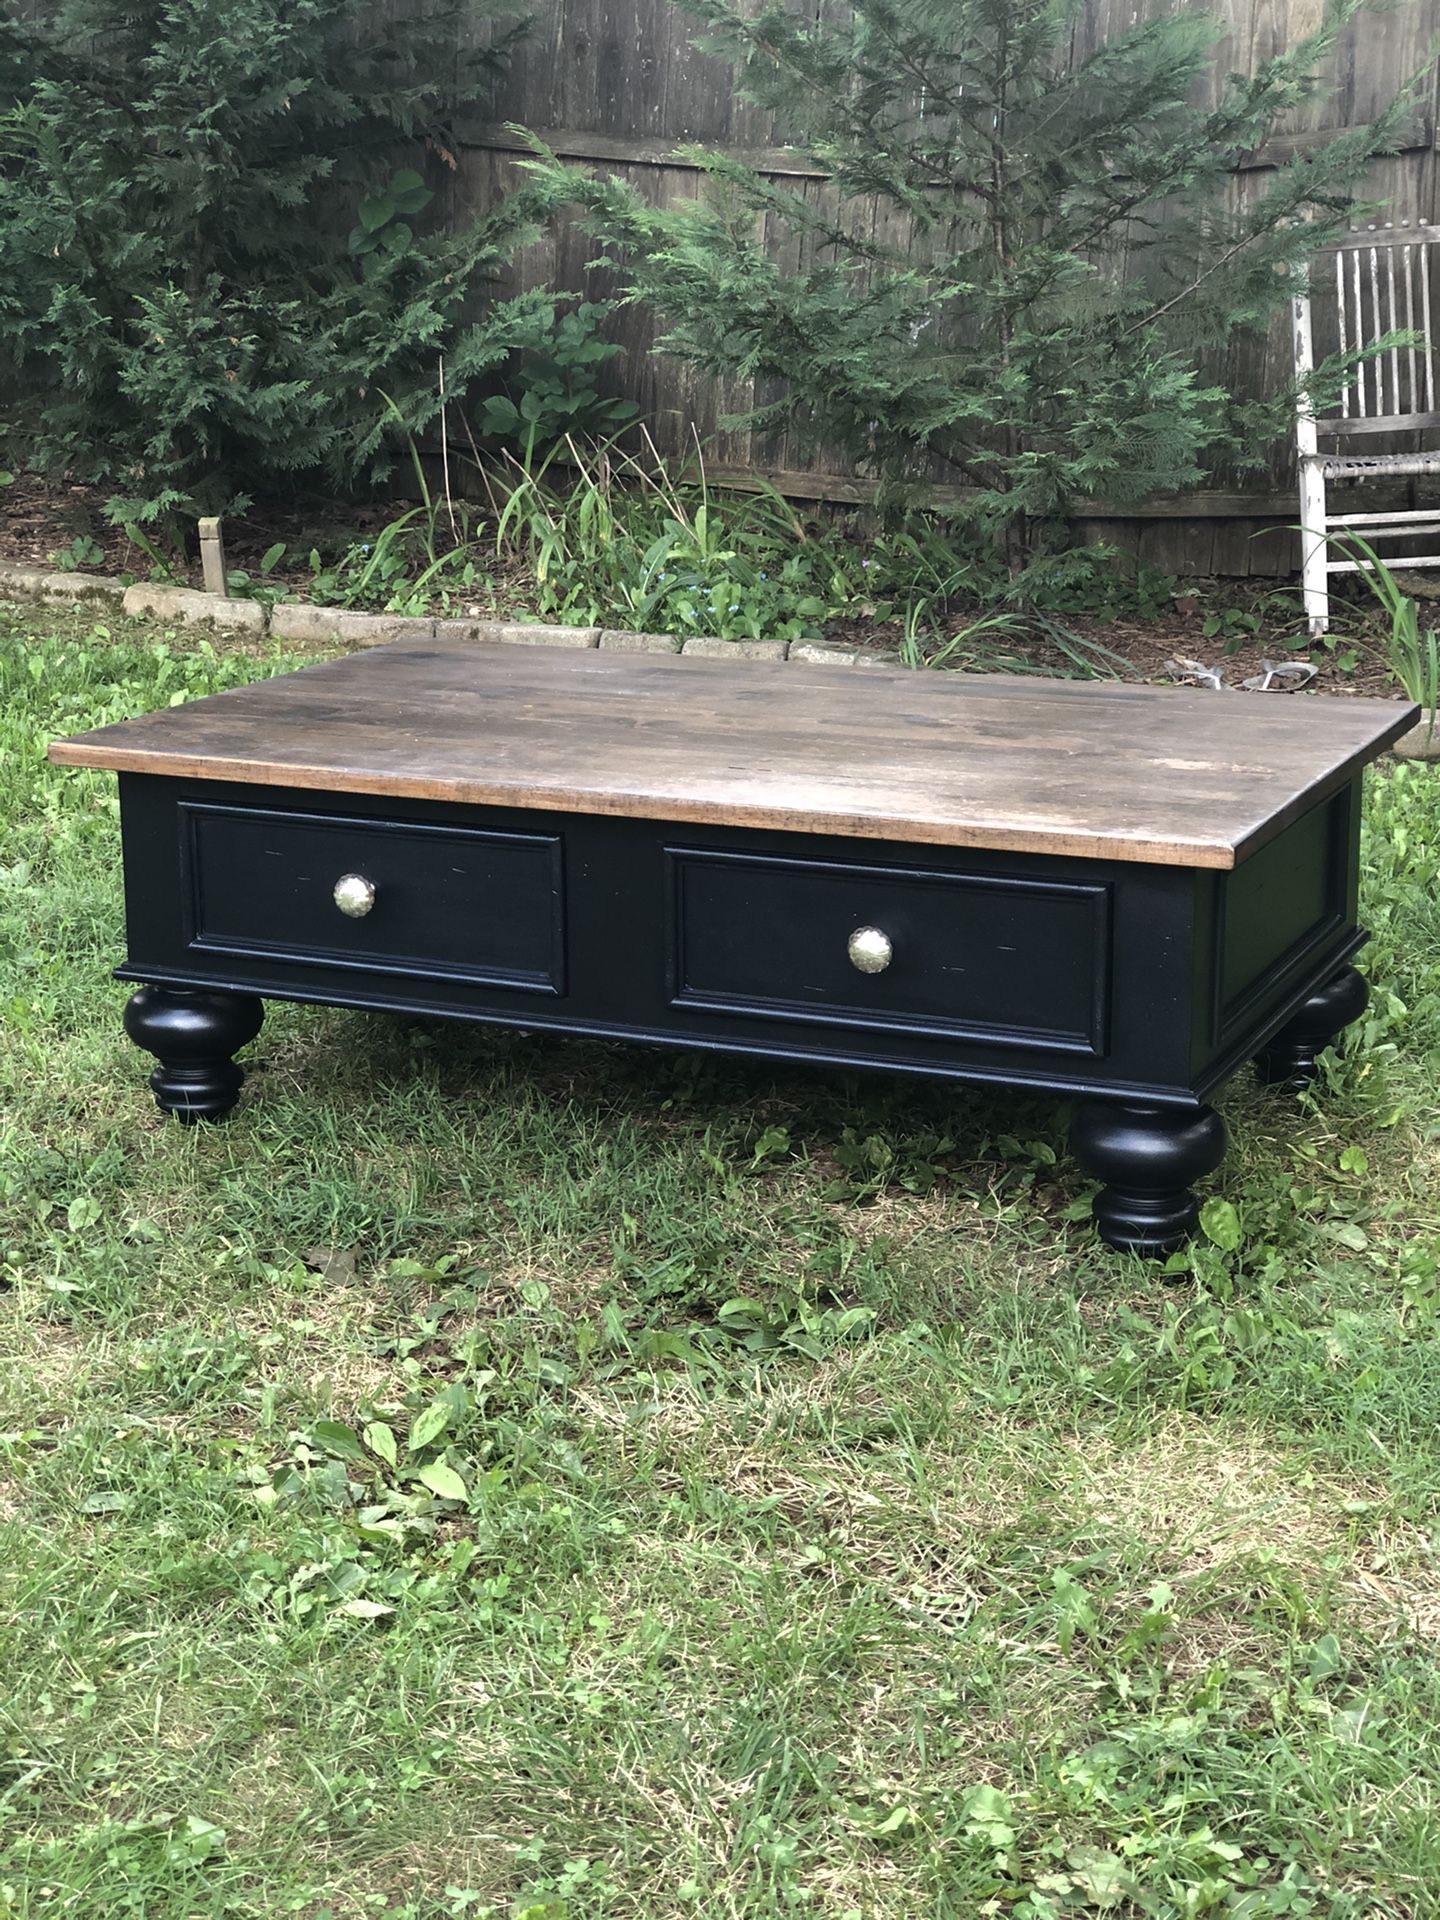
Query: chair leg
(1314, 548)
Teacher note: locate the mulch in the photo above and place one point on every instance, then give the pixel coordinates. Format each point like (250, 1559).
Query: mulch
(1352, 662)
(39, 521)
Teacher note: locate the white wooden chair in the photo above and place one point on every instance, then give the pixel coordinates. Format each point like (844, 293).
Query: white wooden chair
(1381, 284)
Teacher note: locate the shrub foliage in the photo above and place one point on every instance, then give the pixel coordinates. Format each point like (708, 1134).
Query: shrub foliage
(1025, 260)
(211, 272)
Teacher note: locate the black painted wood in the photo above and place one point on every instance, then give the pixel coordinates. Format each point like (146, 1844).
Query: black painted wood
(1288, 1059)
(1137, 986)
(1147, 1157)
(620, 971)
(193, 1033)
(450, 901)
(1006, 960)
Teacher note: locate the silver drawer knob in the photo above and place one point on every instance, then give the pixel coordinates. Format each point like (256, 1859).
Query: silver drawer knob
(354, 895)
(870, 950)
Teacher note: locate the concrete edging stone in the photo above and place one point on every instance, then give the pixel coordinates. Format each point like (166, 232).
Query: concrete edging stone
(195, 609)
(615, 641)
(1422, 742)
(41, 583)
(704, 647)
(300, 620)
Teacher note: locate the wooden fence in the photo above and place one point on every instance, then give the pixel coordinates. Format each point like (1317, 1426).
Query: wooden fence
(619, 84)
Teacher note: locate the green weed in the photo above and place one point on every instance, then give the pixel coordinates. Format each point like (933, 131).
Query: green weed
(596, 535)
(1412, 653)
(83, 551)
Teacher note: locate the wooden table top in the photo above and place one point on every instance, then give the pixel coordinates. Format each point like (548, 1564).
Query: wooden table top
(1165, 775)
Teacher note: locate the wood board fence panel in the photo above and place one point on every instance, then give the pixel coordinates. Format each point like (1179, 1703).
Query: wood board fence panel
(619, 84)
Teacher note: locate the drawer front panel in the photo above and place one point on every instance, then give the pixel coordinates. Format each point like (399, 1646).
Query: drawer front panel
(448, 903)
(1007, 961)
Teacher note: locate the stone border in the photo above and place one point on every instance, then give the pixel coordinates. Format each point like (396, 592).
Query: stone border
(39, 583)
(1422, 742)
(299, 620)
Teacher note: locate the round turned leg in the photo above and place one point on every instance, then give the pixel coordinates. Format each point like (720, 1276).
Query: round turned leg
(193, 1033)
(1147, 1157)
(1288, 1057)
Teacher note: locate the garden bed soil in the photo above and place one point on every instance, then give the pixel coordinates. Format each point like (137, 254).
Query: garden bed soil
(1353, 664)
(40, 522)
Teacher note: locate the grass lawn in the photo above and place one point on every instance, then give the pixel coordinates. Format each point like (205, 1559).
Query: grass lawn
(502, 1476)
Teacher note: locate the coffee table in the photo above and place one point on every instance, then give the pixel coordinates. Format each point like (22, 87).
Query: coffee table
(1115, 893)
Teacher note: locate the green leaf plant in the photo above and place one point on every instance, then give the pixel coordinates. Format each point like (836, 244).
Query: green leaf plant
(215, 260)
(1059, 262)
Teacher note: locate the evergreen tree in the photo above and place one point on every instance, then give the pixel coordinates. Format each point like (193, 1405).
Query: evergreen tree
(209, 273)
(1069, 247)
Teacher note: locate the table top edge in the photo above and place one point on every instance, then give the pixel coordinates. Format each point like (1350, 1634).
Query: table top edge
(1212, 852)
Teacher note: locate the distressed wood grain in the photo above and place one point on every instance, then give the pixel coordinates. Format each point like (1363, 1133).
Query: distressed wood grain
(1155, 775)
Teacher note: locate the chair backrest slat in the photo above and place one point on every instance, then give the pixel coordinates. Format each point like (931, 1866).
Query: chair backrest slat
(1382, 286)
(1344, 329)
(1377, 332)
(1393, 326)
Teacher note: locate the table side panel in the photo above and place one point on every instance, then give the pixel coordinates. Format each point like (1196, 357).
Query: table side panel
(1273, 929)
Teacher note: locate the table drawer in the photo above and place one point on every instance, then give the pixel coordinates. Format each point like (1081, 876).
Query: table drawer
(972, 956)
(434, 902)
